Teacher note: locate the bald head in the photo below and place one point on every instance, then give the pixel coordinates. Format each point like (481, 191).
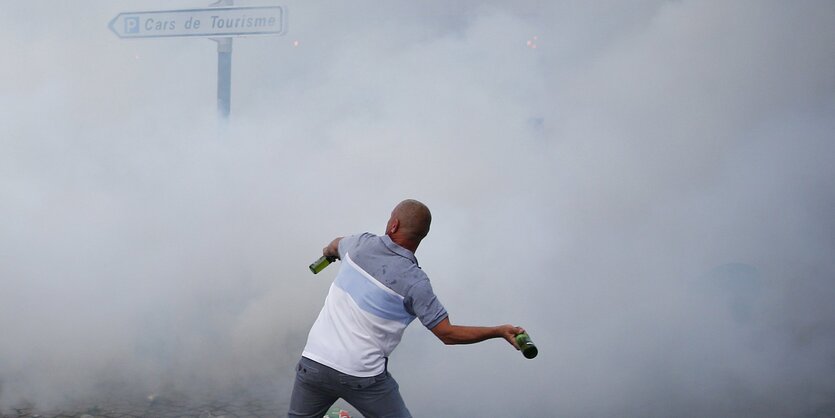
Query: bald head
(409, 223)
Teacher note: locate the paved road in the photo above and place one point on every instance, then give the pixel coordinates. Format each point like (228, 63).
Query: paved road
(240, 405)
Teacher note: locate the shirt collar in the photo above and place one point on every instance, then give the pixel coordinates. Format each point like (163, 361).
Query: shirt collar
(391, 245)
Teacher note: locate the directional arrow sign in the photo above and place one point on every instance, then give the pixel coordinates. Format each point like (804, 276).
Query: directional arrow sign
(209, 22)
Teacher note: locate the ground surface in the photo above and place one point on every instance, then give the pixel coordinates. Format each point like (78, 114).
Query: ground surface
(240, 405)
(163, 407)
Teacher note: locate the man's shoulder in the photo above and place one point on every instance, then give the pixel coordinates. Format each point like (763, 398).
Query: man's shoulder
(356, 240)
(361, 237)
(413, 280)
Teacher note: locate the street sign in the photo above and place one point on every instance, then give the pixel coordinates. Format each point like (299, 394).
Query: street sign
(210, 22)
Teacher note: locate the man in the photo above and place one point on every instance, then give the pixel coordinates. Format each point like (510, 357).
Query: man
(378, 291)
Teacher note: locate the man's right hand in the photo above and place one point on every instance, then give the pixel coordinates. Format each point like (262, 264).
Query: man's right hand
(509, 333)
(461, 334)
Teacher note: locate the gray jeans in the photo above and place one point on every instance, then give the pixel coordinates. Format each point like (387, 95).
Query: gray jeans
(318, 386)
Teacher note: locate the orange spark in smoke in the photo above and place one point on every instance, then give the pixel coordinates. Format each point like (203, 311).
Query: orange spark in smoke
(532, 42)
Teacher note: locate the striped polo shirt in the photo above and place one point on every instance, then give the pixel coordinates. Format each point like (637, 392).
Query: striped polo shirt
(376, 294)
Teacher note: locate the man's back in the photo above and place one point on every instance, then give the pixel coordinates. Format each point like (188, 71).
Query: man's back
(378, 291)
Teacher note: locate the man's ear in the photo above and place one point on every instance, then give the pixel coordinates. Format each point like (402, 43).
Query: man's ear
(395, 225)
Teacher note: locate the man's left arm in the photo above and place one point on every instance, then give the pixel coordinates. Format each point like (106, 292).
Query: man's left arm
(332, 249)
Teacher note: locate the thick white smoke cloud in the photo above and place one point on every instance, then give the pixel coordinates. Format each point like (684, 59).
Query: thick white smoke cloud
(648, 191)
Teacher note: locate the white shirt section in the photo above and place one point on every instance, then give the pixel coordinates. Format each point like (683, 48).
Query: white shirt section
(360, 324)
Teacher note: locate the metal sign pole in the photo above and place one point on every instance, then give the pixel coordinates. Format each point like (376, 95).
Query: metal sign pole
(224, 70)
(224, 77)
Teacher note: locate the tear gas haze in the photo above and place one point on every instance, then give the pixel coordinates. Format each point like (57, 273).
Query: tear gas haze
(646, 187)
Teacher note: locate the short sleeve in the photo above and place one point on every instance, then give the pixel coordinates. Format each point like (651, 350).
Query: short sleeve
(422, 302)
(348, 243)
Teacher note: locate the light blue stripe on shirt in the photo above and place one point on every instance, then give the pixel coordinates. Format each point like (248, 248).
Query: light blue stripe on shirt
(369, 297)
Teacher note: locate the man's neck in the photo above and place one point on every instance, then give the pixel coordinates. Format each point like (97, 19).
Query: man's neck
(403, 242)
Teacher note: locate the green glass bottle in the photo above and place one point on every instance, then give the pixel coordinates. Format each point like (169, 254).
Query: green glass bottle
(526, 345)
(321, 263)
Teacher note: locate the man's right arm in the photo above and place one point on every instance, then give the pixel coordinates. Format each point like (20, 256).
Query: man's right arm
(461, 334)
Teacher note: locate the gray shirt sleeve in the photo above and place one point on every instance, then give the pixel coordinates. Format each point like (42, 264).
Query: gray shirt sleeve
(421, 301)
(350, 243)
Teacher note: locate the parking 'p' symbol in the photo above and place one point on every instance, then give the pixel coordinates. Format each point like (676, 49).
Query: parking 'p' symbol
(131, 25)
